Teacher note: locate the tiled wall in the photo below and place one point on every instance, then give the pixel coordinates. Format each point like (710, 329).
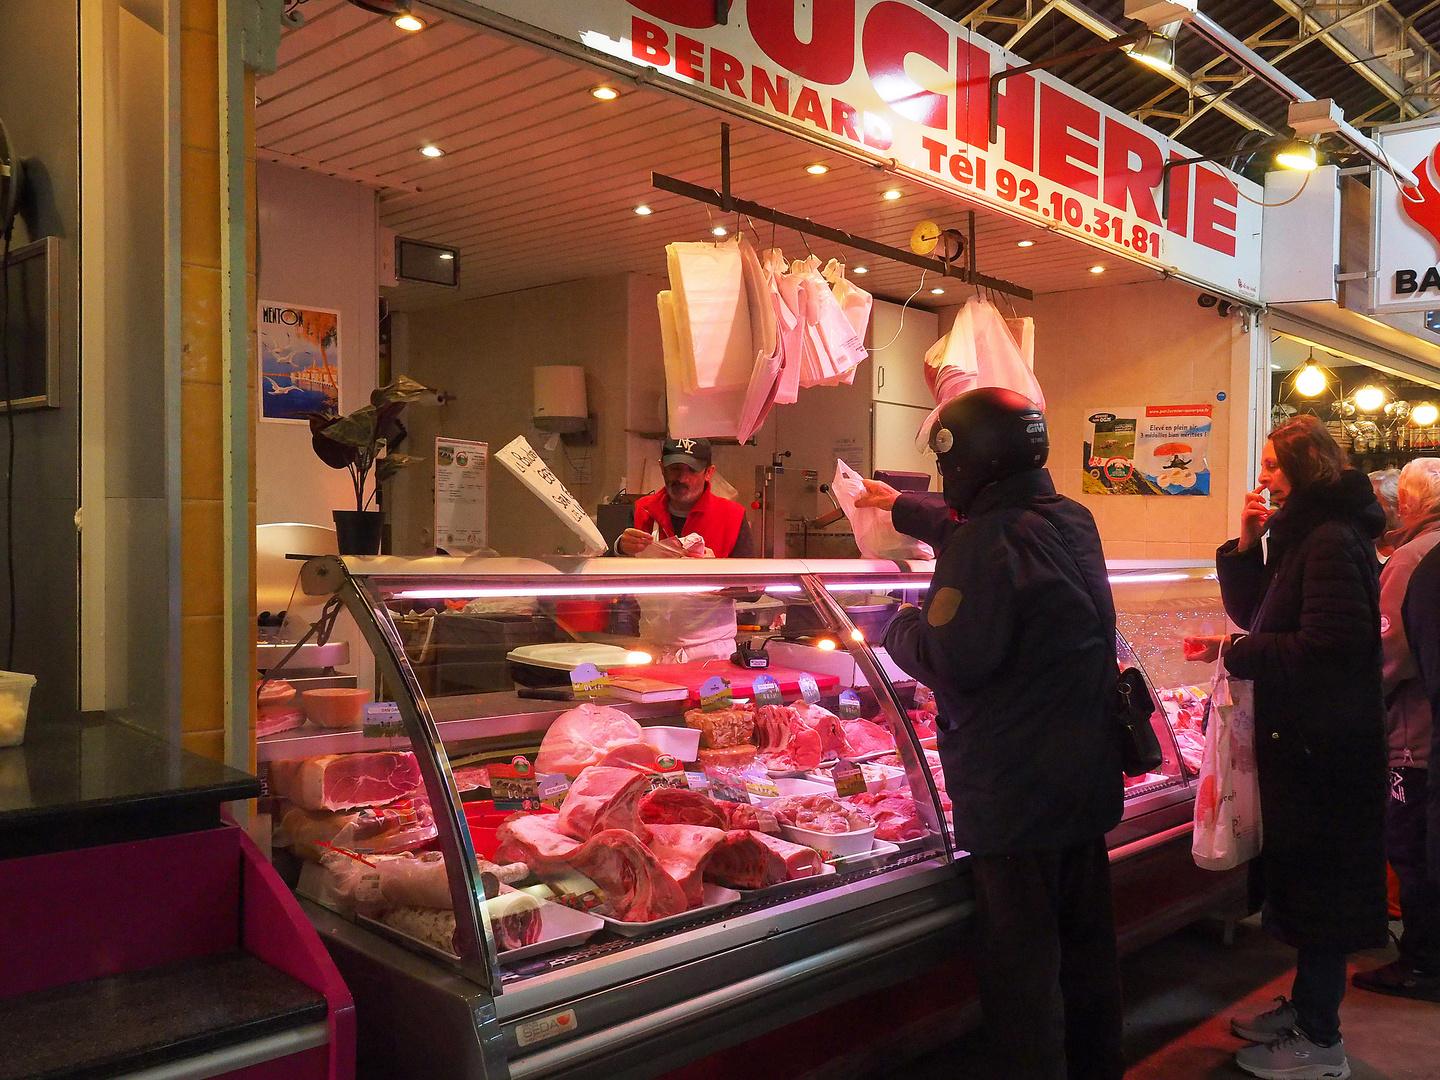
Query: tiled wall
(202, 375)
(1144, 344)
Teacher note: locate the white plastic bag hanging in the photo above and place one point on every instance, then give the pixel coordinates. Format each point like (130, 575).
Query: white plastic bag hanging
(832, 348)
(854, 301)
(1228, 829)
(875, 534)
(764, 325)
(790, 325)
(692, 415)
(712, 316)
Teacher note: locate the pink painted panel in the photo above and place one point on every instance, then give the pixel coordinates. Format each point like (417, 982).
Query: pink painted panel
(309, 1064)
(276, 930)
(84, 914)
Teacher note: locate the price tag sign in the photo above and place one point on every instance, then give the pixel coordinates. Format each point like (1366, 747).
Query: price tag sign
(697, 781)
(722, 789)
(766, 788)
(715, 694)
(808, 690)
(514, 785)
(849, 705)
(669, 773)
(382, 720)
(766, 690)
(588, 681)
(551, 788)
(849, 779)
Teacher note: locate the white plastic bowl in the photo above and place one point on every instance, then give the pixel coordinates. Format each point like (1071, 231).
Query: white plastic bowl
(788, 785)
(15, 687)
(837, 844)
(681, 743)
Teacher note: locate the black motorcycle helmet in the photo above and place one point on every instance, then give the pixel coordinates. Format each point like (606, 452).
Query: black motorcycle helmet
(986, 435)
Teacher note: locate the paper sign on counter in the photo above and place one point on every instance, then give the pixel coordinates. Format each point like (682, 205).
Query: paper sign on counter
(521, 459)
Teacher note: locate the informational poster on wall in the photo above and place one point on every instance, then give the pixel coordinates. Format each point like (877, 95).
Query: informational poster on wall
(299, 362)
(462, 480)
(1148, 450)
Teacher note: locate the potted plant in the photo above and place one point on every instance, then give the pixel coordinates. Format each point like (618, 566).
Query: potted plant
(365, 440)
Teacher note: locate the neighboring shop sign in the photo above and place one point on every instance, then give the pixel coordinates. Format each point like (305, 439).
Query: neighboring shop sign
(846, 71)
(1405, 226)
(299, 361)
(462, 478)
(1148, 450)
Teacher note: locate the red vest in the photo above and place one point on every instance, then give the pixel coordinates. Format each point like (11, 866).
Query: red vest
(717, 520)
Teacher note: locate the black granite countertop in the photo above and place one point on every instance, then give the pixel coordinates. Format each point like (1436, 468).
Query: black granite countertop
(81, 783)
(140, 1019)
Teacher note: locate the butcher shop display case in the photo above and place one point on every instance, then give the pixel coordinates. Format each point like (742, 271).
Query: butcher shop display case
(603, 816)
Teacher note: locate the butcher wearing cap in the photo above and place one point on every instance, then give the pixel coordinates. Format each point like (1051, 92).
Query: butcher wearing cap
(1017, 639)
(686, 505)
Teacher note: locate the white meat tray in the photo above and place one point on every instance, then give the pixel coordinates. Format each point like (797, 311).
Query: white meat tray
(560, 928)
(714, 897)
(826, 870)
(568, 655)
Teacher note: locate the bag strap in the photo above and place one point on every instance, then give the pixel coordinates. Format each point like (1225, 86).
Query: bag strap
(1085, 582)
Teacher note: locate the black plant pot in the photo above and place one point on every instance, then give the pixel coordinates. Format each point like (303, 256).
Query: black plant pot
(358, 531)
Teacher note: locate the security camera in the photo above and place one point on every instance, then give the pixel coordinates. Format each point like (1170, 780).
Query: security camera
(1206, 300)
(1223, 309)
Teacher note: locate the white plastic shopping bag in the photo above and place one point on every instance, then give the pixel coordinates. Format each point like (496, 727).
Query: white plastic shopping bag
(875, 533)
(1227, 804)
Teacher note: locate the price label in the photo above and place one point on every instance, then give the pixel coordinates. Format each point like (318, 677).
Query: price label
(551, 788)
(514, 786)
(587, 681)
(697, 781)
(766, 788)
(722, 789)
(849, 778)
(808, 690)
(715, 694)
(382, 720)
(849, 705)
(668, 773)
(766, 690)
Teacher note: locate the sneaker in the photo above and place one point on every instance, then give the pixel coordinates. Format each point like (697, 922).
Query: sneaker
(1294, 1057)
(1399, 979)
(1267, 1026)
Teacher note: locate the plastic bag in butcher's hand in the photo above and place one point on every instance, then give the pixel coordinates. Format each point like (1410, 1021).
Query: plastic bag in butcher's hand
(875, 533)
(689, 546)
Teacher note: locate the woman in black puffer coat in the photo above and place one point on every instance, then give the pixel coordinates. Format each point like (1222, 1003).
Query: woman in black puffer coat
(1309, 598)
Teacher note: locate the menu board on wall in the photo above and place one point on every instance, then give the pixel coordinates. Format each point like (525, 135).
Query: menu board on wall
(461, 481)
(1148, 450)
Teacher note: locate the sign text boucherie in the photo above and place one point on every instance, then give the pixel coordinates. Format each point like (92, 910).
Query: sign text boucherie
(894, 80)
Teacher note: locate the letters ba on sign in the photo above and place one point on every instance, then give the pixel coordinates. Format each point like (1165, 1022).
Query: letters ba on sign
(894, 80)
(1405, 224)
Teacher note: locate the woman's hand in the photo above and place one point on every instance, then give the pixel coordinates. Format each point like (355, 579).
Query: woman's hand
(1203, 649)
(1253, 519)
(877, 494)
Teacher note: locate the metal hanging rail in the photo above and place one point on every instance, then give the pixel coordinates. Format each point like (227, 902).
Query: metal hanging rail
(728, 203)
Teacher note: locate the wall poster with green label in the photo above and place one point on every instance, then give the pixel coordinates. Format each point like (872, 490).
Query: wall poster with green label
(1148, 450)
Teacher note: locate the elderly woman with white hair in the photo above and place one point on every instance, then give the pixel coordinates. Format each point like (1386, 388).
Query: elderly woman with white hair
(1416, 974)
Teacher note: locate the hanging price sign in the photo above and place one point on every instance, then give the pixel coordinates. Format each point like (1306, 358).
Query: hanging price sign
(766, 691)
(808, 690)
(715, 694)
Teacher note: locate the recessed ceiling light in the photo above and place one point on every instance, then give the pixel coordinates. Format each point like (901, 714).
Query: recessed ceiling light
(432, 151)
(860, 270)
(891, 195)
(718, 230)
(1026, 243)
(817, 169)
(644, 211)
(605, 93)
(447, 255)
(1097, 269)
(938, 292)
(409, 23)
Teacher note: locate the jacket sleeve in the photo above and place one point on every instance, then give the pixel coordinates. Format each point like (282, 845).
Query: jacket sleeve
(964, 633)
(744, 541)
(1394, 645)
(924, 516)
(1242, 581)
(1336, 618)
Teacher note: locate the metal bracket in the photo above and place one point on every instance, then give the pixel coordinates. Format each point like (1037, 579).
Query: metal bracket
(1112, 45)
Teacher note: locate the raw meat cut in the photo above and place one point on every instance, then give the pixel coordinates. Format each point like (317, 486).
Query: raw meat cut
(678, 806)
(772, 726)
(745, 816)
(682, 851)
(923, 721)
(638, 755)
(731, 757)
(894, 812)
(636, 886)
(400, 826)
(515, 920)
(603, 798)
(786, 742)
(279, 709)
(819, 813)
(472, 777)
(724, 727)
(866, 736)
(827, 724)
(343, 781)
(579, 738)
(751, 860)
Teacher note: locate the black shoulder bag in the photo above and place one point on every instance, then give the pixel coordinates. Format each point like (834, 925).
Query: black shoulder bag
(1131, 705)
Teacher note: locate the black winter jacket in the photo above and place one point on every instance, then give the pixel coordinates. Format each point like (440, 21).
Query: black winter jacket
(1422, 628)
(1312, 607)
(1022, 665)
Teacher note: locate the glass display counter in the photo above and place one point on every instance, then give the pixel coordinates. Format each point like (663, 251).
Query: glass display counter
(599, 812)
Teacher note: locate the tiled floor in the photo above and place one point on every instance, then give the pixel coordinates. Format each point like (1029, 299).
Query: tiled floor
(1181, 992)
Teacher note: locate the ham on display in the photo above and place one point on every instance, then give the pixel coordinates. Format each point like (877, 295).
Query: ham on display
(581, 737)
(896, 817)
(753, 860)
(603, 798)
(516, 920)
(635, 884)
(744, 816)
(679, 806)
(638, 755)
(344, 781)
(400, 826)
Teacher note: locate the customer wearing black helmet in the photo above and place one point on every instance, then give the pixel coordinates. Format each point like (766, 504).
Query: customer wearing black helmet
(1017, 639)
